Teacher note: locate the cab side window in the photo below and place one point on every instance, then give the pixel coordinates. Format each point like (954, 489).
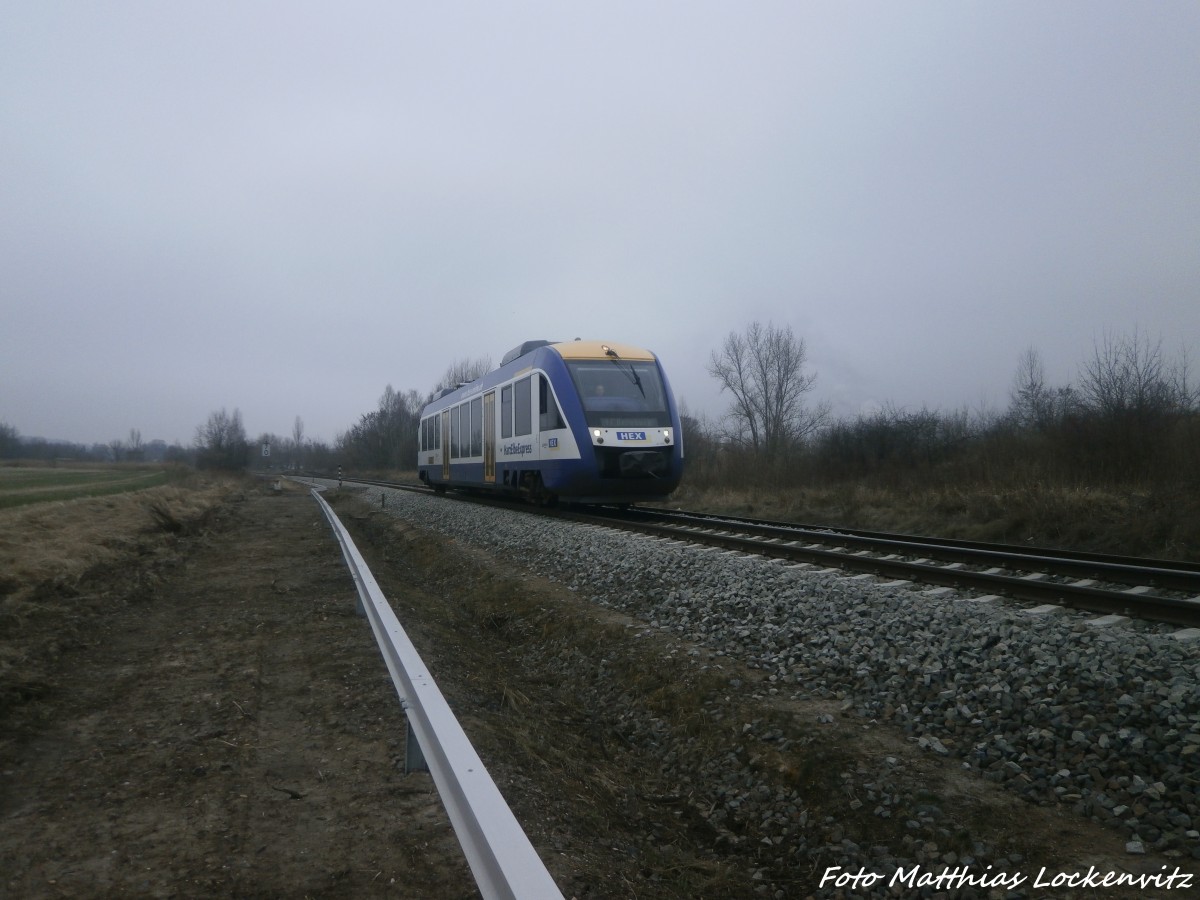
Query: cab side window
(548, 415)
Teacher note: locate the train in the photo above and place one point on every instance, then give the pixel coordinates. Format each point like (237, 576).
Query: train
(582, 422)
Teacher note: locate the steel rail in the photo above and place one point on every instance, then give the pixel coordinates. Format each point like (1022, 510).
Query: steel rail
(1167, 575)
(1016, 549)
(502, 860)
(1176, 611)
(786, 541)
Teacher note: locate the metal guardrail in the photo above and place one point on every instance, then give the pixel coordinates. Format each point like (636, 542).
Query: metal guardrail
(501, 858)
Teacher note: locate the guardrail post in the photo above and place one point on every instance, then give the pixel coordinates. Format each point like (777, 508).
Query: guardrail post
(414, 759)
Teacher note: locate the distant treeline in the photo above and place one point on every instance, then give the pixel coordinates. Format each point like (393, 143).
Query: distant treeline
(1132, 416)
(13, 445)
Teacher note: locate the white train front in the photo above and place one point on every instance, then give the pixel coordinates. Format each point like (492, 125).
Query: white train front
(580, 421)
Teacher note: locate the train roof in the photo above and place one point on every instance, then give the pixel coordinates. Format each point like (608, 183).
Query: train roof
(600, 350)
(521, 349)
(578, 349)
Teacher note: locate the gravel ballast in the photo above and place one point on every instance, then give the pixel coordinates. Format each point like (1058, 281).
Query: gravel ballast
(1103, 722)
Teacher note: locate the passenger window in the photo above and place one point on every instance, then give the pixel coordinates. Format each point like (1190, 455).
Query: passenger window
(477, 427)
(523, 411)
(506, 408)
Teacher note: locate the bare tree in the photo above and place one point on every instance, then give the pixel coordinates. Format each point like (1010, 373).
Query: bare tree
(463, 371)
(1127, 377)
(1133, 400)
(1028, 396)
(1186, 392)
(10, 441)
(135, 450)
(763, 369)
(387, 436)
(221, 442)
(297, 442)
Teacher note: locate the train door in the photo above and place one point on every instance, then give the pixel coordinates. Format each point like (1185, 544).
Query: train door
(489, 437)
(445, 445)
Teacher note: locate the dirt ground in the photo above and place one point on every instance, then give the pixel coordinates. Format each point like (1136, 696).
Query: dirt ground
(212, 718)
(231, 733)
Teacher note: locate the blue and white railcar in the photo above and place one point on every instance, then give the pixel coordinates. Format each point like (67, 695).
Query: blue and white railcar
(580, 421)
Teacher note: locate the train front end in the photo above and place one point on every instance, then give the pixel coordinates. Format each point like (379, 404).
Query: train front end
(625, 422)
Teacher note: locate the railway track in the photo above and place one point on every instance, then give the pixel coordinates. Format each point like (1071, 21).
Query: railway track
(1154, 590)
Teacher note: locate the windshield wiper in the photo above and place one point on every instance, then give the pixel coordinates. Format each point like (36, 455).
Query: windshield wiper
(631, 373)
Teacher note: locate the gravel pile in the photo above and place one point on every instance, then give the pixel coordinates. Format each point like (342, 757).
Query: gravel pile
(1103, 720)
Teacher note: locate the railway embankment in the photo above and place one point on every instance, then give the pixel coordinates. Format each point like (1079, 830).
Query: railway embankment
(868, 727)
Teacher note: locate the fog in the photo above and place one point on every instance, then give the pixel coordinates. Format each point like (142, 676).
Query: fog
(284, 207)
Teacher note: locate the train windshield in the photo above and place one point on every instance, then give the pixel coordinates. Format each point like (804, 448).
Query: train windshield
(619, 393)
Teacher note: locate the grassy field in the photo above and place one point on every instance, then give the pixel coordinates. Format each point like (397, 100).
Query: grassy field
(25, 485)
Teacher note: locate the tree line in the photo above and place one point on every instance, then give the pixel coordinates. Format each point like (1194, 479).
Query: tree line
(131, 449)
(382, 440)
(1132, 415)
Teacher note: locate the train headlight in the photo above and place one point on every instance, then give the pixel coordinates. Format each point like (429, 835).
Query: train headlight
(596, 435)
(666, 436)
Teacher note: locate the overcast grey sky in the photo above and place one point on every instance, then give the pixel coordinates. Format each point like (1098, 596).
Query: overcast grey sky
(283, 207)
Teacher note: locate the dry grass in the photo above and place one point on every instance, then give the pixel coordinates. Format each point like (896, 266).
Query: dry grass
(62, 540)
(62, 563)
(1131, 521)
